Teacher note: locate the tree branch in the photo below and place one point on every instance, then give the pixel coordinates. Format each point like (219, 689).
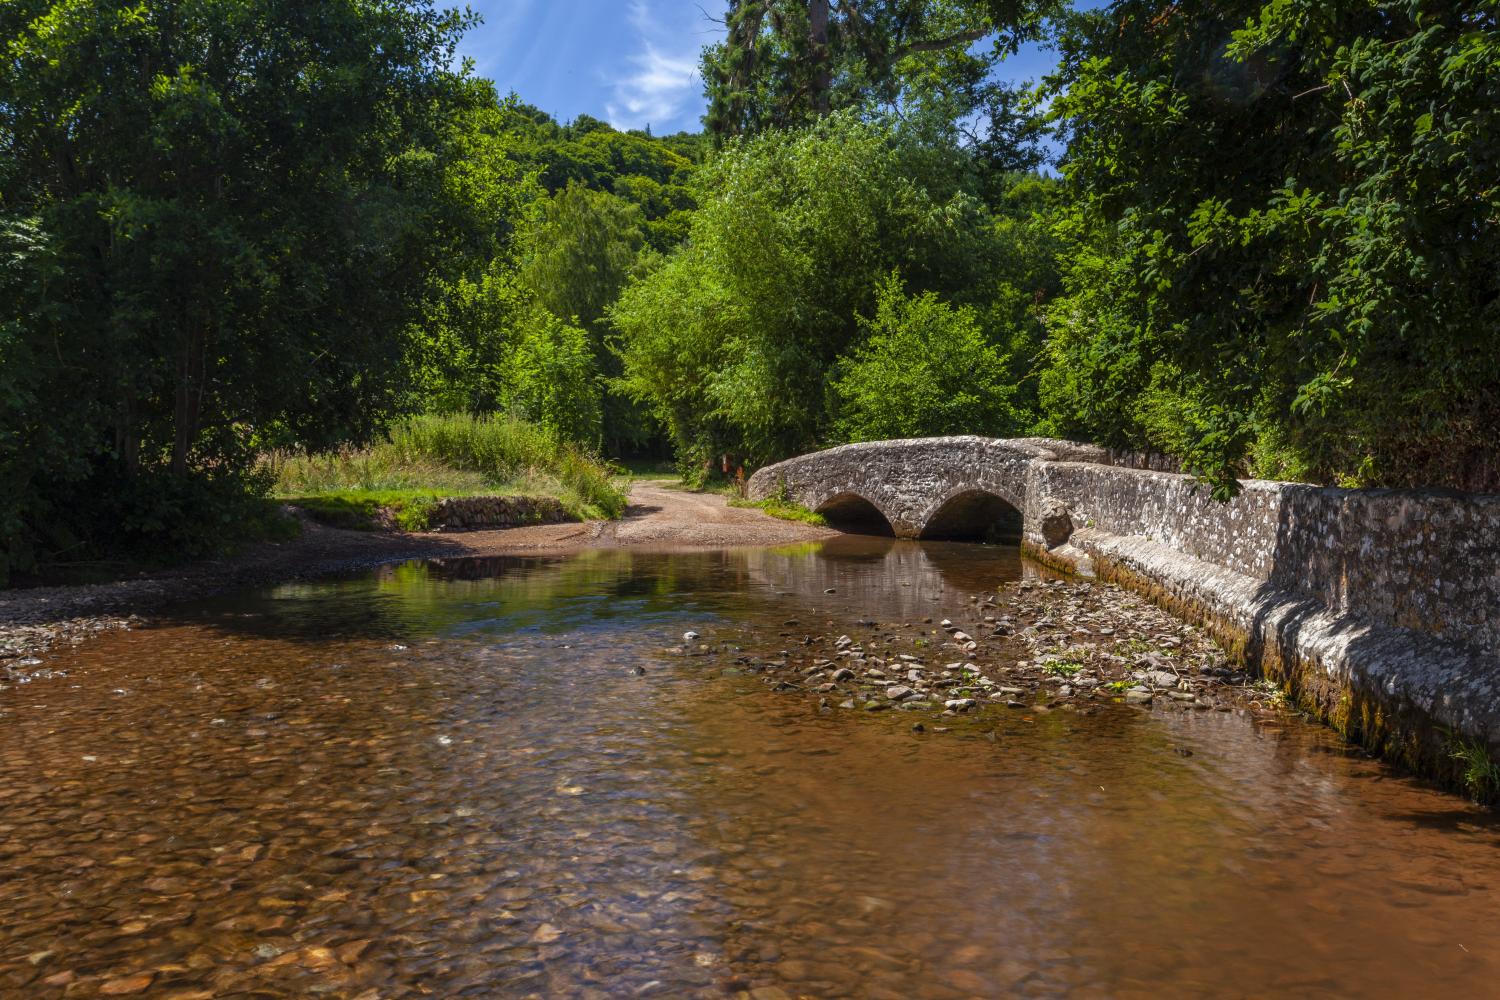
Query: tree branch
(945, 42)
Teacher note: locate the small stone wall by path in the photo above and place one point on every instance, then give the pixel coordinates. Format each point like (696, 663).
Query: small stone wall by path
(1376, 610)
(478, 513)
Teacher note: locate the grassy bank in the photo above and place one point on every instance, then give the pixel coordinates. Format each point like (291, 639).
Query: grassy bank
(784, 509)
(437, 456)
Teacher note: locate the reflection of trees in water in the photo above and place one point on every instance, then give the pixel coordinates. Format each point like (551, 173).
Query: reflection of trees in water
(613, 588)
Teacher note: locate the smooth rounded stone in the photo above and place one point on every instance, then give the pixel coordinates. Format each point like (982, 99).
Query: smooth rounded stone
(127, 985)
(1138, 696)
(959, 704)
(899, 692)
(769, 993)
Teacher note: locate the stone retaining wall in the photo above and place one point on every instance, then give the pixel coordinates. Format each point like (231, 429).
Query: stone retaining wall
(1378, 610)
(476, 513)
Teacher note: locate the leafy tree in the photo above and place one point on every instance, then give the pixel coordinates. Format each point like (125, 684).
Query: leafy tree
(927, 369)
(580, 254)
(549, 377)
(1282, 251)
(731, 338)
(219, 218)
(654, 173)
(786, 62)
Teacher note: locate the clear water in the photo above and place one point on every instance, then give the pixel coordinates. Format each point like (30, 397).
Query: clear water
(448, 780)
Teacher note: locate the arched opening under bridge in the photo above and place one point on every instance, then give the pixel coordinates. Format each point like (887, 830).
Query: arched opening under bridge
(975, 516)
(853, 513)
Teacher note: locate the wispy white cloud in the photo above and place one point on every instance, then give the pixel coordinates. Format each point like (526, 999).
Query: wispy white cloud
(662, 80)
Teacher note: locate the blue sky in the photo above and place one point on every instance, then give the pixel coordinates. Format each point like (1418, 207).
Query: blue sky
(631, 62)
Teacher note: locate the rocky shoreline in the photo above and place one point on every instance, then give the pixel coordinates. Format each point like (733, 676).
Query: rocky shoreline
(1033, 646)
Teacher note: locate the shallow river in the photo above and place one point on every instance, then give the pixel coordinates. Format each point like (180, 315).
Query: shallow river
(450, 780)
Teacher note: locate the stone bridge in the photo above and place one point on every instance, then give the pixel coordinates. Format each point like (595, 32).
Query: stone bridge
(965, 488)
(1378, 609)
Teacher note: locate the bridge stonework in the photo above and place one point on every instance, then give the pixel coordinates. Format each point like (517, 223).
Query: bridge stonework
(910, 481)
(1378, 610)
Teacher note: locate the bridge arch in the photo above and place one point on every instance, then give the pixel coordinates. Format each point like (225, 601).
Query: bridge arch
(974, 515)
(850, 512)
(961, 487)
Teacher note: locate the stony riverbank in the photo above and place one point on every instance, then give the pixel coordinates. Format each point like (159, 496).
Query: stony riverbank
(1032, 646)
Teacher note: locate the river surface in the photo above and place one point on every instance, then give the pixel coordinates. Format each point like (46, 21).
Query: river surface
(491, 779)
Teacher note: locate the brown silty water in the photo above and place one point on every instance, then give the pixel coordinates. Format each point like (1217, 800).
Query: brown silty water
(453, 780)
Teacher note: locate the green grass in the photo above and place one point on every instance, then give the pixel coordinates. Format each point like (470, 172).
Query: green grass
(360, 510)
(1062, 668)
(784, 509)
(449, 455)
(1480, 774)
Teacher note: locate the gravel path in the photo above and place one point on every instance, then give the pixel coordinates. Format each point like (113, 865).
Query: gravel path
(34, 619)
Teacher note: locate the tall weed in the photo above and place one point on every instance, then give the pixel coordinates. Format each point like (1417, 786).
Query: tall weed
(459, 454)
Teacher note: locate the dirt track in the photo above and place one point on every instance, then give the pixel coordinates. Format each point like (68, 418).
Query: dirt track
(658, 517)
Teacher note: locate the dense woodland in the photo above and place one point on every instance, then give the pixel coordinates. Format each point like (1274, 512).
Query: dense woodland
(1262, 236)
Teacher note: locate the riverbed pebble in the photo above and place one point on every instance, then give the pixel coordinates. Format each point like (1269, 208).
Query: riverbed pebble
(1048, 645)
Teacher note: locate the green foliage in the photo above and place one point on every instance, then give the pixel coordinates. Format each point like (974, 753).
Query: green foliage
(777, 69)
(506, 449)
(582, 251)
(927, 369)
(456, 455)
(561, 216)
(784, 511)
(1480, 774)
(368, 510)
(218, 219)
(731, 339)
(550, 378)
(1282, 241)
(580, 255)
(780, 505)
(652, 173)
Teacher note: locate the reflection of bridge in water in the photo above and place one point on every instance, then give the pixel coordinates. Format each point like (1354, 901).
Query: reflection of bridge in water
(885, 578)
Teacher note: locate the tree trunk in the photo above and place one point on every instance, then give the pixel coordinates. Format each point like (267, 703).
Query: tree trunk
(188, 397)
(822, 77)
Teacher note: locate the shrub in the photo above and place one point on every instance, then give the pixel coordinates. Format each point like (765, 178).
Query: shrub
(458, 454)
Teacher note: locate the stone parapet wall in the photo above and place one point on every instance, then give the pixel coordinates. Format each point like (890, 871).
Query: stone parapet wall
(476, 513)
(1377, 609)
(1416, 560)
